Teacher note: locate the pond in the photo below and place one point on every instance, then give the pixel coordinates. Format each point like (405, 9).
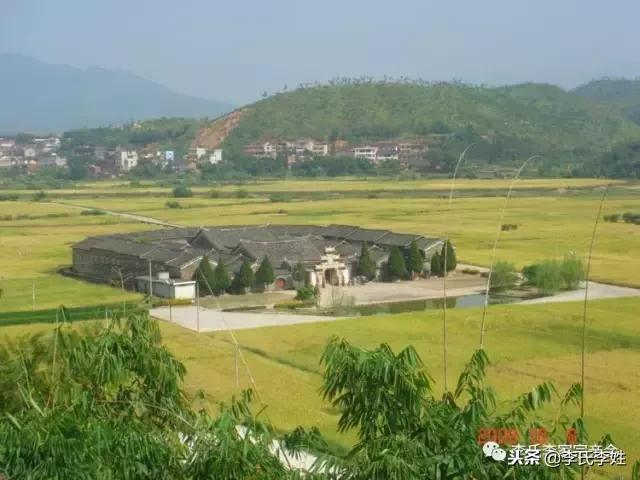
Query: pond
(475, 300)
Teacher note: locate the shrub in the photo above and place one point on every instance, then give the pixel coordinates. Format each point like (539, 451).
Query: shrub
(529, 274)
(503, 276)
(173, 204)
(242, 193)
(548, 278)
(572, 271)
(38, 196)
(509, 226)
(280, 197)
(614, 218)
(214, 194)
(182, 191)
(305, 293)
(93, 211)
(9, 197)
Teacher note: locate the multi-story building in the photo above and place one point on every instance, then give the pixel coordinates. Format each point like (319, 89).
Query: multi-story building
(127, 160)
(215, 156)
(368, 152)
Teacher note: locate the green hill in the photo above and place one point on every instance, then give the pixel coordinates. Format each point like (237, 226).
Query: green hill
(621, 93)
(523, 119)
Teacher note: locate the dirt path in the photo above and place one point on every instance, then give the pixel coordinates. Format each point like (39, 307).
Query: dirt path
(596, 291)
(132, 216)
(216, 320)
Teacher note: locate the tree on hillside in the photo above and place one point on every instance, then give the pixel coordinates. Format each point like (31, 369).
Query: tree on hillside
(244, 279)
(265, 275)
(222, 280)
(205, 276)
(415, 262)
(395, 267)
(366, 267)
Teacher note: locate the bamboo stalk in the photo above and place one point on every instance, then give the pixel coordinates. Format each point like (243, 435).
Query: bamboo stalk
(495, 247)
(444, 275)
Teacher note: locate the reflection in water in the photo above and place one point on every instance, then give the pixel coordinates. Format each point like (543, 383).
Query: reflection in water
(430, 304)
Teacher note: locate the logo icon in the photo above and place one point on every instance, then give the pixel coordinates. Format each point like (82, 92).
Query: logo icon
(493, 450)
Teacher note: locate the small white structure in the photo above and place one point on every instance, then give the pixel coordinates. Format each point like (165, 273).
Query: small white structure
(200, 152)
(164, 286)
(128, 160)
(169, 155)
(215, 157)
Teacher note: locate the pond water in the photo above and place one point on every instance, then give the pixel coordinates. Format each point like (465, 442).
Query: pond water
(475, 300)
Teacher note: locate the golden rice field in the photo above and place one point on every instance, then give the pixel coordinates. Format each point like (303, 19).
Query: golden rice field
(36, 241)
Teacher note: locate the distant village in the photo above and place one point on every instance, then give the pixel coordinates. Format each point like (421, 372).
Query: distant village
(35, 153)
(406, 152)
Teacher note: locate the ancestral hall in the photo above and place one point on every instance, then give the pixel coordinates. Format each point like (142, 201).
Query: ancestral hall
(329, 254)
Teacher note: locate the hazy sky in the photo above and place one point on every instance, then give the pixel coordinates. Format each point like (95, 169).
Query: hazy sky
(235, 50)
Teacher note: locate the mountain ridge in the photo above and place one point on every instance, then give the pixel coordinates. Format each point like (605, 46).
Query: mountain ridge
(40, 97)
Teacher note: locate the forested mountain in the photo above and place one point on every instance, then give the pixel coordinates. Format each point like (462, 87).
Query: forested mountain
(510, 123)
(622, 93)
(40, 98)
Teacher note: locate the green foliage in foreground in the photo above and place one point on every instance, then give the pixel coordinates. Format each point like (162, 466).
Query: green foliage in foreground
(110, 404)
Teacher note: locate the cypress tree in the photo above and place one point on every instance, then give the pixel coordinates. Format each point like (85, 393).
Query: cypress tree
(205, 276)
(223, 281)
(436, 265)
(265, 275)
(396, 267)
(451, 256)
(366, 267)
(244, 278)
(415, 262)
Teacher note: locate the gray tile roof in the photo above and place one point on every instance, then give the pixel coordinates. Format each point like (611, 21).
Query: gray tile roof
(301, 249)
(366, 235)
(283, 244)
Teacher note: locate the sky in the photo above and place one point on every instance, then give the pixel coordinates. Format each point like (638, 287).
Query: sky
(237, 49)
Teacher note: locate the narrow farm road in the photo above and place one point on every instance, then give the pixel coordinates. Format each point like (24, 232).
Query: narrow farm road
(132, 216)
